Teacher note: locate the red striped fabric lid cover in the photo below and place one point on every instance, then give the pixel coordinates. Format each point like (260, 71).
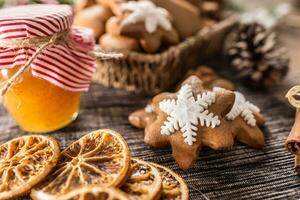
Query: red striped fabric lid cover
(65, 64)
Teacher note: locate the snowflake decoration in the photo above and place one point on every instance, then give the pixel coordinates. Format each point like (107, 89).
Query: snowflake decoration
(149, 13)
(186, 113)
(241, 107)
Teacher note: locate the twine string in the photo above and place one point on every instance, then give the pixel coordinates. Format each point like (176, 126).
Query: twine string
(293, 96)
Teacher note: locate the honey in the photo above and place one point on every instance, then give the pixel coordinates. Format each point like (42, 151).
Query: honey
(37, 105)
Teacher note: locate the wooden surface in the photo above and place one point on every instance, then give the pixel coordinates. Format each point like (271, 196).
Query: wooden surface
(240, 173)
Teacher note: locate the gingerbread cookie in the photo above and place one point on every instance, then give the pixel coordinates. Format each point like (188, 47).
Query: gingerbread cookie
(194, 117)
(144, 21)
(210, 79)
(81, 4)
(93, 17)
(194, 2)
(113, 26)
(186, 16)
(142, 117)
(111, 42)
(113, 5)
(211, 8)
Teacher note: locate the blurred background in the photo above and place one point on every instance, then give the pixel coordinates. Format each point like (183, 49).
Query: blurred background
(288, 31)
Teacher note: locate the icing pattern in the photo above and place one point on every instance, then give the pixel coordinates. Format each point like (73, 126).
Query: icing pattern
(149, 13)
(241, 107)
(187, 112)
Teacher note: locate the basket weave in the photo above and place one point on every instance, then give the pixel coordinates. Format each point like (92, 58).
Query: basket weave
(153, 73)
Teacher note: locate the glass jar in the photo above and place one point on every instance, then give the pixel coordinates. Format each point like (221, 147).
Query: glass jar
(46, 96)
(37, 105)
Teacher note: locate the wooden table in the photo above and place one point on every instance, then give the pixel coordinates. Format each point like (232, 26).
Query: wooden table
(241, 173)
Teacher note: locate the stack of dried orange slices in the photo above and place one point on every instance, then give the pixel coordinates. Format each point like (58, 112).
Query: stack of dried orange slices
(98, 166)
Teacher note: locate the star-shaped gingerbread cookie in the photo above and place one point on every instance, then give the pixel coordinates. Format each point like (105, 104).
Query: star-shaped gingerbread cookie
(194, 117)
(144, 21)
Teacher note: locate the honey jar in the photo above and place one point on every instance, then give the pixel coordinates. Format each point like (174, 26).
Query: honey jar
(51, 61)
(37, 105)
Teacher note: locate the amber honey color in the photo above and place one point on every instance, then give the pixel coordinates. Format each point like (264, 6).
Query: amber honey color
(37, 105)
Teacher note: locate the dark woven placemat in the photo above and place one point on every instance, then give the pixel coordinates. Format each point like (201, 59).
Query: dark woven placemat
(242, 173)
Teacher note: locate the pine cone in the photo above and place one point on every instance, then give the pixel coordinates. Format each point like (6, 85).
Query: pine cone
(256, 55)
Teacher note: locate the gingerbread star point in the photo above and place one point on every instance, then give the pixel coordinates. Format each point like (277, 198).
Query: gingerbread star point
(245, 120)
(249, 135)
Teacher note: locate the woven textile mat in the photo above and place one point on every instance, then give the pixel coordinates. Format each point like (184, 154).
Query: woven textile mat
(241, 173)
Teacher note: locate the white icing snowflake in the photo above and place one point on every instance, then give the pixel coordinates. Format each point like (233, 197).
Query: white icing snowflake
(186, 113)
(241, 107)
(147, 12)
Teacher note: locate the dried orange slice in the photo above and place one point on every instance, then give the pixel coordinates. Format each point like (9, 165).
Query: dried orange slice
(144, 182)
(92, 193)
(99, 158)
(173, 186)
(24, 162)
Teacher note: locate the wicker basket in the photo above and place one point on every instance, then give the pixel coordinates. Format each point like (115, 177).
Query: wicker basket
(153, 73)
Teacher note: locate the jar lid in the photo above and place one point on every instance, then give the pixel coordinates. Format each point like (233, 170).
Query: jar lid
(37, 20)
